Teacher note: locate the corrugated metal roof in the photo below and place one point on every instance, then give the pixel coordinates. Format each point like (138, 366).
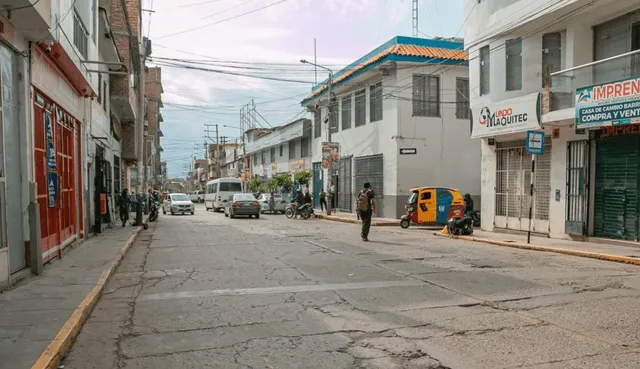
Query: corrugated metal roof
(400, 50)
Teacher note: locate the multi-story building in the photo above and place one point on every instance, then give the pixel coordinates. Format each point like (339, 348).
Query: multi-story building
(283, 149)
(153, 93)
(571, 69)
(400, 115)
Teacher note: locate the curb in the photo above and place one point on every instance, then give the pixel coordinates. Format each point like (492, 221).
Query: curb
(353, 221)
(60, 345)
(572, 252)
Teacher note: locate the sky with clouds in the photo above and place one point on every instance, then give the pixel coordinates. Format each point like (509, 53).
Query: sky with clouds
(265, 38)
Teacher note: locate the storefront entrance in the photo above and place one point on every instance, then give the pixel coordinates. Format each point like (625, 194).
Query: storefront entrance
(513, 179)
(617, 207)
(57, 201)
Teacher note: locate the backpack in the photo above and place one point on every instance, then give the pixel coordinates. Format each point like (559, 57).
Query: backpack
(363, 201)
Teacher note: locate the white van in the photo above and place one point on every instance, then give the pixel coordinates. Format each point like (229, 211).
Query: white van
(220, 191)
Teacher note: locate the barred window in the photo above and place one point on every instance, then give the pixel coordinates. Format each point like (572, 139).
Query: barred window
(375, 102)
(426, 95)
(361, 118)
(462, 98)
(346, 112)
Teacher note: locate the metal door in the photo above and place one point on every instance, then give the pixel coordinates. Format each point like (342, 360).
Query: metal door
(513, 178)
(371, 169)
(616, 187)
(345, 182)
(577, 187)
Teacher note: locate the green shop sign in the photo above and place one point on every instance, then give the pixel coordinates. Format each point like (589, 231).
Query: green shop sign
(610, 104)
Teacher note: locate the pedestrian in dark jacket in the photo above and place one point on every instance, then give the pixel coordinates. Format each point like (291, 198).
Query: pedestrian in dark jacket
(125, 207)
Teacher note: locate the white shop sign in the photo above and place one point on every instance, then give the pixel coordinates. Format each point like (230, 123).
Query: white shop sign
(505, 117)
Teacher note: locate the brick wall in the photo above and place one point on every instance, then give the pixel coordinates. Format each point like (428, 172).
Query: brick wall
(128, 144)
(120, 85)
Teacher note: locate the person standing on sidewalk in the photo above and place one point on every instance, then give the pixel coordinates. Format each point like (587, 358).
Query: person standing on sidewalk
(125, 207)
(323, 199)
(366, 208)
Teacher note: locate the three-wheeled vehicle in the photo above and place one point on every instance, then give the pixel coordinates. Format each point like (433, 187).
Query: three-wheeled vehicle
(432, 206)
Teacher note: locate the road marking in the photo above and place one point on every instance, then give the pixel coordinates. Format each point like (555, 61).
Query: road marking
(283, 289)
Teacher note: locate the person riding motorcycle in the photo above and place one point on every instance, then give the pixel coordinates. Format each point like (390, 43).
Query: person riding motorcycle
(299, 202)
(468, 204)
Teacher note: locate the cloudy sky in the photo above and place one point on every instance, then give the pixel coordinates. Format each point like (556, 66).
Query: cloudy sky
(265, 38)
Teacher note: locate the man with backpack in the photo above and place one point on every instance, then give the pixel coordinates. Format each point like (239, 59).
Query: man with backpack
(366, 208)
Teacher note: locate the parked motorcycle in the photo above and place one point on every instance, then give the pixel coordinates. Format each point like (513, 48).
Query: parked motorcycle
(289, 212)
(153, 213)
(460, 226)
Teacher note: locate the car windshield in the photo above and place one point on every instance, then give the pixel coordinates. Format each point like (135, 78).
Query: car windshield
(230, 187)
(244, 197)
(180, 197)
(413, 198)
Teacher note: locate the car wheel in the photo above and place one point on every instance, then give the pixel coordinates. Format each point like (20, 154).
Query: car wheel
(164, 211)
(192, 212)
(257, 216)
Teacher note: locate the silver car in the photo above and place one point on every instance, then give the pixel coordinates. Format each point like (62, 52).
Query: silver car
(177, 203)
(281, 204)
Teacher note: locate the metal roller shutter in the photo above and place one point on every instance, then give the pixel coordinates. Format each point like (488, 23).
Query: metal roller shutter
(370, 169)
(616, 187)
(345, 182)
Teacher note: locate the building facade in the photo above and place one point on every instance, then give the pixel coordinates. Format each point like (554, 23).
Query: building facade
(400, 115)
(283, 149)
(572, 67)
(152, 152)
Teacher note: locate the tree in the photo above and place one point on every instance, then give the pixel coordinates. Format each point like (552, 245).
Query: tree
(284, 181)
(303, 177)
(254, 184)
(272, 184)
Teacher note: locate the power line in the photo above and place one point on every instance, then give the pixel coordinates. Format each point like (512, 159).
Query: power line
(190, 5)
(225, 10)
(220, 21)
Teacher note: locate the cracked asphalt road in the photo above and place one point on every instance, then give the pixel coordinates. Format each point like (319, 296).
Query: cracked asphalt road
(206, 291)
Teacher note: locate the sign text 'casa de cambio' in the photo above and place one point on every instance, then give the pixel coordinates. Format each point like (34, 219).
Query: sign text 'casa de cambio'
(609, 104)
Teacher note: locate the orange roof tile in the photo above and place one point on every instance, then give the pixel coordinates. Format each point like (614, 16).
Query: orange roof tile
(400, 50)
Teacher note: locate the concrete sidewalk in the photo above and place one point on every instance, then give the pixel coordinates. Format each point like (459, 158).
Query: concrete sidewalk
(345, 217)
(621, 253)
(33, 313)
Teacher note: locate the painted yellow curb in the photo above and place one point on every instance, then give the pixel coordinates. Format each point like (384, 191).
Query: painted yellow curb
(557, 250)
(353, 221)
(60, 345)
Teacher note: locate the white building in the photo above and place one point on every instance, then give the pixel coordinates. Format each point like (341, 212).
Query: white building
(401, 118)
(587, 180)
(283, 149)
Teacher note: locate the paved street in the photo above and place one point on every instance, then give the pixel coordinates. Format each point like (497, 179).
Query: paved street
(206, 291)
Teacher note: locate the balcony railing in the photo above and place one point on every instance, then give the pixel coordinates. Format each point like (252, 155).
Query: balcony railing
(564, 83)
(80, 35)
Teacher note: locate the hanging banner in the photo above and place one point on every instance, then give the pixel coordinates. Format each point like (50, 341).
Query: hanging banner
(610, 104)
(52, 171)
(520, 114)
(330, 154)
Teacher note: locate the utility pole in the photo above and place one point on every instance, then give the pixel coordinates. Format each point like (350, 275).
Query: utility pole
(414, 17)
(140, 132)
(333, 195)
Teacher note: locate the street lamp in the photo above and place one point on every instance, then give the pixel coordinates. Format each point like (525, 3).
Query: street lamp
(329, 81)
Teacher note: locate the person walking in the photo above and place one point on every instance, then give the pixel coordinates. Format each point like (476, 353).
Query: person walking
(125, 207)
(366, 208)
(272, 203)
(323, 199)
